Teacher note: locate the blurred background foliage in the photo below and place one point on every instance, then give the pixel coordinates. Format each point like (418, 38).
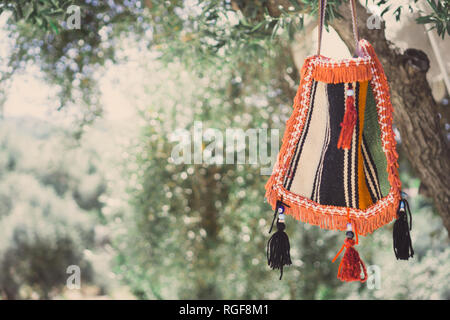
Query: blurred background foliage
(125, 213)
(49, 209)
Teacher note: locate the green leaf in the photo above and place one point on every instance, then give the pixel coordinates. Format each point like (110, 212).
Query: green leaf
(432, 4)
(29, 14)
(385, 10)
(424, 19)
(54, 27)
(397, 13)
(274, 30)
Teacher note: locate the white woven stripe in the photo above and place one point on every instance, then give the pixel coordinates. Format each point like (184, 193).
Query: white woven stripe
(311, 143)
(346, 191)
(354, 175)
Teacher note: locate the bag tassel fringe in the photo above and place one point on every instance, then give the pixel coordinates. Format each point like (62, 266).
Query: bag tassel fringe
(351, 264)
(401, 236)
(278, 246)
(349, 121)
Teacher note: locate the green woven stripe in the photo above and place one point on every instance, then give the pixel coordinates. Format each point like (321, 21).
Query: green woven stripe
(372, 134)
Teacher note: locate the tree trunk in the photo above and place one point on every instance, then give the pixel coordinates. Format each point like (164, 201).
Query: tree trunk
(416, 114)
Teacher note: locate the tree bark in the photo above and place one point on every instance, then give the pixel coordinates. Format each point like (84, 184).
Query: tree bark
(416, 114)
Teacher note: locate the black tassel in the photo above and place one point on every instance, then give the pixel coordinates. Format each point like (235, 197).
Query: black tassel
(402, 238)
(279, 209)
(278, 245)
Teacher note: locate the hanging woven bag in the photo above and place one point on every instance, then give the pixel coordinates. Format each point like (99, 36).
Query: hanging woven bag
(337, 167)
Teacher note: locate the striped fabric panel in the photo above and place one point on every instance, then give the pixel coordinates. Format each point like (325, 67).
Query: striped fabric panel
(308, 160)
(372, 136)
(365, 199)
(335, 161)
(322, 172)
(370, 173)
(318, 176)
(353, 164)
(299, 147)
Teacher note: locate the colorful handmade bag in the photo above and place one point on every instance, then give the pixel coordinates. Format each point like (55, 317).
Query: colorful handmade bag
(337, 167)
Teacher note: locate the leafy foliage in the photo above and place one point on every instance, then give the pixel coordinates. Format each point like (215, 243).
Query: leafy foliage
(43, 235)
(196, 32)
(42, 210)
(439, 18)
(70, 59)
(37, 12)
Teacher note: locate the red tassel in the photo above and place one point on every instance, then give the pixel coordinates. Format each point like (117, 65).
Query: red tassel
(351, 264)
(348, 123)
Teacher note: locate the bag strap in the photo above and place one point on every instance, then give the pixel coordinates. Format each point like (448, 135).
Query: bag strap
(322, 9)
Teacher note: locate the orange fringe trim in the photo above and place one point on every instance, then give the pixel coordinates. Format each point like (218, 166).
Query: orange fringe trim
(342, 72)
(326, 218)
(332, 217)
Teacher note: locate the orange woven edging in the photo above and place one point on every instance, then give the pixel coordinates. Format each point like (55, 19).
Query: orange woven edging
(336, 218)
(333, 217)
(331, 72)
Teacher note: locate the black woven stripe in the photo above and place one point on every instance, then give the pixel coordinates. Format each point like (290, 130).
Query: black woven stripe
(331, 184)
(286, 177)
(318, 171)
(371, 162)
(318, 175)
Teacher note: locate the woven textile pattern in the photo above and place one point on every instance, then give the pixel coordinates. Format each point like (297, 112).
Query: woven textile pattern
(328, 186)
(331, 176)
